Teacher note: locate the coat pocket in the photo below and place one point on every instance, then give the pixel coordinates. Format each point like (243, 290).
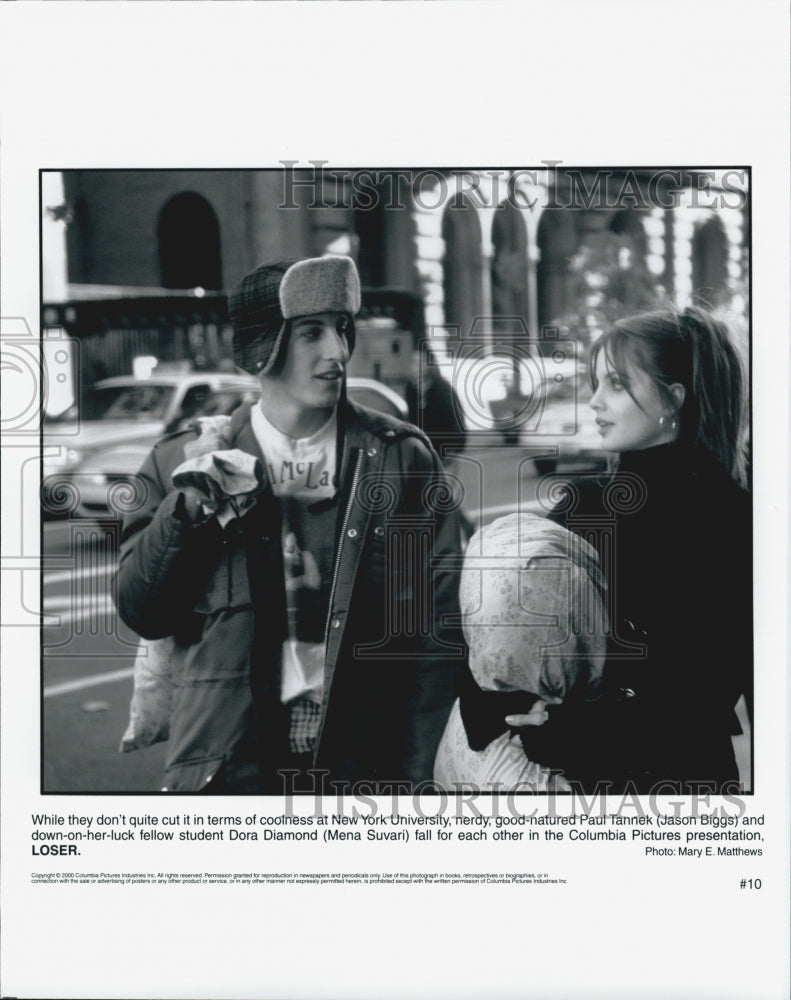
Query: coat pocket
(193, 775)
(228, 586)
(222, 655)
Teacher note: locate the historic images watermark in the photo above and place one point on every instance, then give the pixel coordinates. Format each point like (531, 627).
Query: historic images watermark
(316, 185)
(392, 798)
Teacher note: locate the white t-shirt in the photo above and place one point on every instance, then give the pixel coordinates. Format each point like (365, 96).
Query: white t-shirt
(302, 472)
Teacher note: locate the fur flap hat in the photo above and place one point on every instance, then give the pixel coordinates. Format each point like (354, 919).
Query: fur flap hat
(272, 295)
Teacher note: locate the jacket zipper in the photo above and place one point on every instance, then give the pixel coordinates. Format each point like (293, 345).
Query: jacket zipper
(336, 570)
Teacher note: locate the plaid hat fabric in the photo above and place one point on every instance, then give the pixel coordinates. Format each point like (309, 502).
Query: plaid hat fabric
(275, 293)
(256, 317)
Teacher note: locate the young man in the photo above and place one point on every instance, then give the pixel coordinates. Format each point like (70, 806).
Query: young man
(315, 617)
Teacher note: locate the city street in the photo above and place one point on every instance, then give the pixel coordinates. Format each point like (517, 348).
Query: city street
(87, 672)
(88, 654)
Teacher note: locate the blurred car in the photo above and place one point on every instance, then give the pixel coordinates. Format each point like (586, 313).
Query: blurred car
(120, 418)
(557, 415)
(95, 473)
(568, 431)
(376, 396)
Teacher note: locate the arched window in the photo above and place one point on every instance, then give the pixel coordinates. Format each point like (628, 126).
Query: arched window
(509, 263)
(627, 224)
(461, 267)
(369, 224)
(189, 243)
(386, 235)
(710, 263)
(557, 244)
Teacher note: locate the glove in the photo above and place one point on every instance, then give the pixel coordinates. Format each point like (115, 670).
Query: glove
(214, 435)
(219, 483)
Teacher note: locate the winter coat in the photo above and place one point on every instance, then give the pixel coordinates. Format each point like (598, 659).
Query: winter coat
(393, 649)
(674, 538)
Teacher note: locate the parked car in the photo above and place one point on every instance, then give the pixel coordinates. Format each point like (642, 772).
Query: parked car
(120, 418)
(567, 429)
(555, 415)
(376, 396)
(94, 474)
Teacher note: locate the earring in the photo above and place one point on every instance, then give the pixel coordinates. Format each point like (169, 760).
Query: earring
(668, 425)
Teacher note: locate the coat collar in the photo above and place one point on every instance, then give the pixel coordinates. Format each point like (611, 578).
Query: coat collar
(242, 434)
(357, 428)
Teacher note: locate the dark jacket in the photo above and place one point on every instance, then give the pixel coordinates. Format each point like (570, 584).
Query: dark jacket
(675, 544)
(393, 648)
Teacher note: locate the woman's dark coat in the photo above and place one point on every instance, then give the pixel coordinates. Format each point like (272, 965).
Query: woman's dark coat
(675, 545)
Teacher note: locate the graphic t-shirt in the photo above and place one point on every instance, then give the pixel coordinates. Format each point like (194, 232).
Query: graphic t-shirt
(302, 473)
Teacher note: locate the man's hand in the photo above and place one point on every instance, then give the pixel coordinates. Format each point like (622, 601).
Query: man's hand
(211, 439)
(194, 502)
(198, 507)
(537, 716)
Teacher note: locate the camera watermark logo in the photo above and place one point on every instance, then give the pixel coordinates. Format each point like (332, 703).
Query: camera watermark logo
(40, 428)
(515, 388)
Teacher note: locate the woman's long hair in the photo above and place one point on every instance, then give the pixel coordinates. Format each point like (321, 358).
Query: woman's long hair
(694, 349)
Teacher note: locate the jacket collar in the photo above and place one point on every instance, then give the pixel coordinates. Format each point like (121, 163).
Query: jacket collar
(358, 428)
(242, 435)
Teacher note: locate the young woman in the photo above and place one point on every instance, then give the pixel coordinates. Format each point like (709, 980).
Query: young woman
(672, 528)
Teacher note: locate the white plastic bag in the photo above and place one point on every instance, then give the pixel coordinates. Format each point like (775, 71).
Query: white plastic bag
(156, 670)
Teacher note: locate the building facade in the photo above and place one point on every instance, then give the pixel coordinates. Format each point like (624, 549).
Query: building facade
(490, 254)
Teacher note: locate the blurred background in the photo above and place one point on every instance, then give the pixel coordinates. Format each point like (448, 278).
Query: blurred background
(507, 276)
(137, 263)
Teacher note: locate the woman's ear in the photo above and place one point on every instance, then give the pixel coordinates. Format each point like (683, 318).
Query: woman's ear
(679, 394)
